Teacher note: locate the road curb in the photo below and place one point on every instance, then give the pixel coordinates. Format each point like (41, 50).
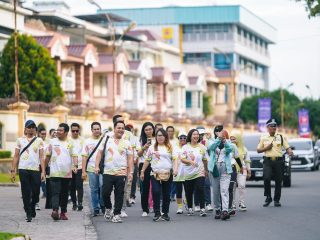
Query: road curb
(90, 230)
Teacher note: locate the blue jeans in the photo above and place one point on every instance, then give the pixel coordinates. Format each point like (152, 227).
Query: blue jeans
(207, 193)
(95, 184)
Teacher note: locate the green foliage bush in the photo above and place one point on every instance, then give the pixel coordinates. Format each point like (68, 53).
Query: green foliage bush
(5, 154)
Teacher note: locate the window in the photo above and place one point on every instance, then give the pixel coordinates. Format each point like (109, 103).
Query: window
(128, 89)
(188, 99)
(100, 86)
(1, 138)
(198, 58)
(222, 62)
(226, 95)
(151, 94)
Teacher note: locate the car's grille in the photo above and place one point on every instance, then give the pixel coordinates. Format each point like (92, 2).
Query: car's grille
(255, 163)
(298, 159)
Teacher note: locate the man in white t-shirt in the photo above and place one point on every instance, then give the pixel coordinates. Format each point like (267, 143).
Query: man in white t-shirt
(63, 161)
(27, 158)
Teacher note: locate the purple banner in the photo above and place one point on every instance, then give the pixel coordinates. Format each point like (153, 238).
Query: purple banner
(304, 127)
(264, 113)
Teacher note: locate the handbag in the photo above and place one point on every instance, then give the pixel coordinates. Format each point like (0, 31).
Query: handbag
(162, 176)
(101, 164)
(215, 171)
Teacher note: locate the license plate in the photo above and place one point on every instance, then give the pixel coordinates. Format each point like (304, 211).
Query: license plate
(295, 162)
(259, 174)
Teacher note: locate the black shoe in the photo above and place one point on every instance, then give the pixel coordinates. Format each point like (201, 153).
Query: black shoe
(103, 210)
(80, 207)
(165, 217)
(277, 204)
(225, 215)
(157, 218)
(267, 202)
(218, 214)
(74, 207)
(128, 204)
(96, 212)
(28, 218)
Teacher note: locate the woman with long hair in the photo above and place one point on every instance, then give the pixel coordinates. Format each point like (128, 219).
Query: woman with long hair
(220, 169)
(163, 163)
(195, 157)
(246, 174)
(146, 140)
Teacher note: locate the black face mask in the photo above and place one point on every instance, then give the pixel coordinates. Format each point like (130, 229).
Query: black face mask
(221, 145)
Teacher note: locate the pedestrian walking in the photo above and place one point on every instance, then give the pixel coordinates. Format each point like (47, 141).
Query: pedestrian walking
(63, 161)
(89, 154)
(220, 169)
(28, 155)
(195, 157)
(241, 177)
(164, 165)
(117, 157)
(76, 189)
(146, 140)
(174, 143)
(271, 145)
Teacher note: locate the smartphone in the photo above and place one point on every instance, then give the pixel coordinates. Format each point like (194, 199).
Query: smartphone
(149, 141)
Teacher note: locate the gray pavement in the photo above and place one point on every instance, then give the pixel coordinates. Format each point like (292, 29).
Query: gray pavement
(298, 218)
(79, 225)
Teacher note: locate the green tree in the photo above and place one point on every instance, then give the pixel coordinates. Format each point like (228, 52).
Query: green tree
(37, 71)
(312, 7)
(206, 107)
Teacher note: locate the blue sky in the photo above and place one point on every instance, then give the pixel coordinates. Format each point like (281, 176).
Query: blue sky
(296, 55)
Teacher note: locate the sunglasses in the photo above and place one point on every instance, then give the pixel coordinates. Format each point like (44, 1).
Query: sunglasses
(75, 131)
(182, 138)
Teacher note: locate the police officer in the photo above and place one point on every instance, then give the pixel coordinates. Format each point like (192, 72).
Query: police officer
(271, 145)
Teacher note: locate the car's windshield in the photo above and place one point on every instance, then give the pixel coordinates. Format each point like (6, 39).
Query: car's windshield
(251, 142)
(303, 145)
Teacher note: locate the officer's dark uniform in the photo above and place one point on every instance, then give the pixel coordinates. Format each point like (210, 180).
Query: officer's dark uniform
(273, 163)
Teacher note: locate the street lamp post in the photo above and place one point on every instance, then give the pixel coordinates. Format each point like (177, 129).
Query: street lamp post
(310, 91)
(16, 59)
(113, 51)
(282, 102)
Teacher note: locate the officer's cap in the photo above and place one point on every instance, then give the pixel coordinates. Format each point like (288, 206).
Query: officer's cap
(271, 121)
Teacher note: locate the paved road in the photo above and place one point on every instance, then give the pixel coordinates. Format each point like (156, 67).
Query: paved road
(298, 218)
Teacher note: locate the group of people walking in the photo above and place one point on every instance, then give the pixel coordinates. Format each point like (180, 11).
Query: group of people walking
(163, 166)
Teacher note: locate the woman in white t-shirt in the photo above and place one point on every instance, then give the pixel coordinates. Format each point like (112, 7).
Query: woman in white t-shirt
(146, 140)
(163, 163)
(195, 157)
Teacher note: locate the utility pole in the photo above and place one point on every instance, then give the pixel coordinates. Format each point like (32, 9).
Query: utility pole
(16, 56)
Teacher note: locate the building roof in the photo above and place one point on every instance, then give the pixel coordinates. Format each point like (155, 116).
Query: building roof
(45, 41)
(134, 65)
(174, 15)
(151, 36)
(102, 19)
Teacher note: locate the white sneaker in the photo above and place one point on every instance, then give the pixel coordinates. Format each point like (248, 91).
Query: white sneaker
(197, 208)
(108, 214)
(190, 212)
(242, 208)
(179, 211)
(123, 214)
(116, 219)
(132, 201)
(209, 207)
(37, 206)
(144, 214)
(203, 212)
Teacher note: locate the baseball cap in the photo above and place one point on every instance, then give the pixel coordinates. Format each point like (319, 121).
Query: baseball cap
(201, 129)
(29, 123)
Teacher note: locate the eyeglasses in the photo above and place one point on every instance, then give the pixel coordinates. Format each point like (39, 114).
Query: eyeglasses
(182, 138)
(75, 131)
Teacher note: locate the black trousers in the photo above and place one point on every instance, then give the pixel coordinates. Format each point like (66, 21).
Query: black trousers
(117, 183)
(145, 188)
(161, 188)
(195, 185)
(49, 195)
(76, 189)
(30, 189)
(233, 181)
(60, 192)
(179, 189)
(275, 169)
(134, 183)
